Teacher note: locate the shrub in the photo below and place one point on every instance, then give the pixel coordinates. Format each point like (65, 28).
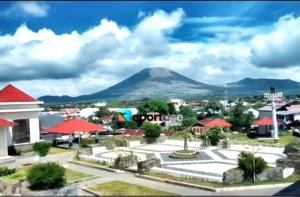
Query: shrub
(85, 142)
(4, 171)
(245, 163)
(215, 135)
(296, 134)
(151, 130)
(45, 176)
(41, 148)
(295, 143)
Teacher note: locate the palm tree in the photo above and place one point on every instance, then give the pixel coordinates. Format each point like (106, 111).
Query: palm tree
(187, 135)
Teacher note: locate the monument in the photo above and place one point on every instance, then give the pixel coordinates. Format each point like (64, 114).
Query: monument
(274, 97)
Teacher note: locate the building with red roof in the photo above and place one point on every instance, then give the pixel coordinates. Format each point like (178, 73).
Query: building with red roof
(19, 119)
(134, 132)
(204, 125)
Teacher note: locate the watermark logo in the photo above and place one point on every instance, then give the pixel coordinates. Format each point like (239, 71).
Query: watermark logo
(126, 115)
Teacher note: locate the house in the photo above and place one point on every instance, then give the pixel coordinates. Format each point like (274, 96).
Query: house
(203, 125)
(133, 132)
(105, 119)
(87, 112)
(177, 103)
(266, 111)
(133, 110)
(253, 111)
(100, 104)
(23, 110)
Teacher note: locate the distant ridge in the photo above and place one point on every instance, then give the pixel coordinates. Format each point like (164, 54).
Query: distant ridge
(161, 82)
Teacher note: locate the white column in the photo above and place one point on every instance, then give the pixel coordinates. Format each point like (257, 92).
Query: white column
(274, 117)
(3, 142)
(34, 127)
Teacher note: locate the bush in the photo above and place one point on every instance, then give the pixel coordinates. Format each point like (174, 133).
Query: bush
(245, 163)
(41, 148)
(109, 143)
(4, 171)
(45, 176)
(296, 134)
(151, 130)
(295, 143)
(215, 135)
(85, 142)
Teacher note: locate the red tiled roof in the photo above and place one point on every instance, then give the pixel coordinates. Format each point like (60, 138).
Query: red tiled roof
(6, 123)
(218, 122)
(13, 94)
(133, 132)
(106, 118)
(73, 125)
(264, 121)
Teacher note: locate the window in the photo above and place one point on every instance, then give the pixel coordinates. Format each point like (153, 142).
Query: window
(21, 132)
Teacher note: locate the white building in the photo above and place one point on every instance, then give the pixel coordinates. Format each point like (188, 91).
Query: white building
(254, 112)
(87, 112)
(100, 104)
(133, 110)
(20, 108)
(177, 103)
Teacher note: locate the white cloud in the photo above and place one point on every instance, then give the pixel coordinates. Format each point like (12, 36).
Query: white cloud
(213, 19)
(35, 9)
(46, 63)
(280, 47)
(212, 71)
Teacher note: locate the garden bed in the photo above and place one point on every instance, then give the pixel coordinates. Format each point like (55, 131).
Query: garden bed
(126, 189)
(184, 154)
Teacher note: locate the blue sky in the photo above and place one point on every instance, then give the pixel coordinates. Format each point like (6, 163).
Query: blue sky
(89, 46)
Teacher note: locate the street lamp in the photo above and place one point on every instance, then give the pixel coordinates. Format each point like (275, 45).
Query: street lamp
(273, 97)
(253, 160)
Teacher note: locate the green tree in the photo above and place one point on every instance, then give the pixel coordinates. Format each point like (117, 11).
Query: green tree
(188, 121)
(130, 125)
(187, 136)
(151, 130)
(212, 107)
(171, 109)
(41, 148)
(187, 112)
(240, 119)
(153, 105)
(103, 111)
(215, 134)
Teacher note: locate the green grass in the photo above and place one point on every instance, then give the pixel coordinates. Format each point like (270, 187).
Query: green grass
(57, 150)
(295, 177)
(21, 175)
(283, 140)
(119, 188)
(75, 175)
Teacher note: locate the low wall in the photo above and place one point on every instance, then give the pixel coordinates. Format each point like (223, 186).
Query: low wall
(288, 163)
(122, 163)
(134, 143)
(70, 190)
(159, 140)
(145, 166)
(237, 176)
(122, 143)
(20, 188)
(19, 149)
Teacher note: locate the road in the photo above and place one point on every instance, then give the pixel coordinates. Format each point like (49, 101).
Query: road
(130, 178)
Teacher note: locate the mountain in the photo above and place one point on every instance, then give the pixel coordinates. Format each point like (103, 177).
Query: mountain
(161, 82)
(150, 82)
(259, 86)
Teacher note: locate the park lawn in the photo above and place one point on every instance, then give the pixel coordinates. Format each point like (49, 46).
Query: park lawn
(75, 175)
(57, 150)
(119, 188)
(295, 177)
(21, 175)
(283, 140)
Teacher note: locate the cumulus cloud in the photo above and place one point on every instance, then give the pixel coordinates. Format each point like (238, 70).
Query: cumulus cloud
(35, 9)
(213, 19)
(280, 47)
(39, 62)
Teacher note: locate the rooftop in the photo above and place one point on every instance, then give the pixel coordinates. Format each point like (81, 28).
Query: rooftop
(12, 94)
